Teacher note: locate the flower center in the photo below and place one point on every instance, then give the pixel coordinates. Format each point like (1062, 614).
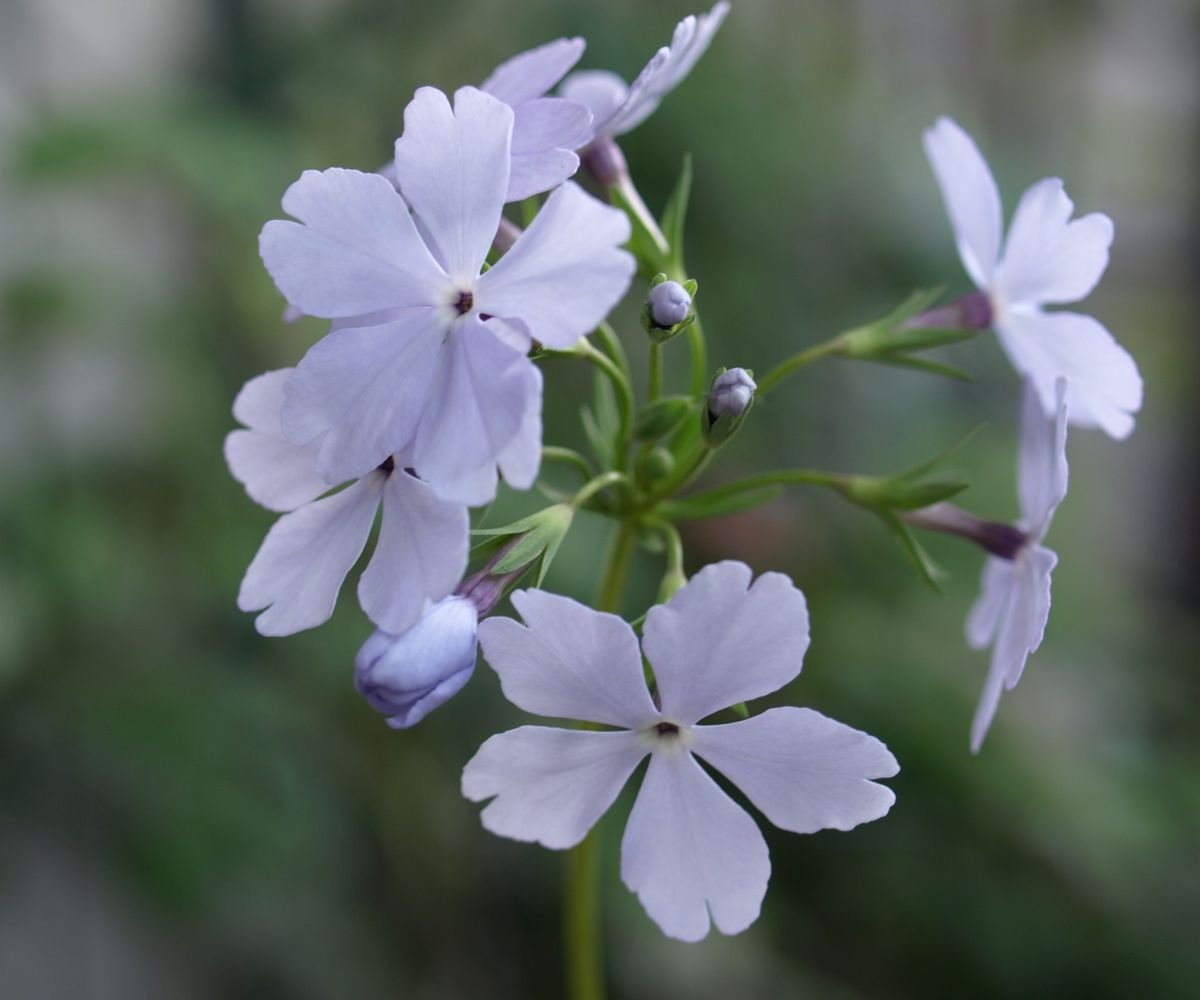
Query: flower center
(665, 729)
(464, 302)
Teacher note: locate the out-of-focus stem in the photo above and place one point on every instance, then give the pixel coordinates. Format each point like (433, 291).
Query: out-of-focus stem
(790, 366)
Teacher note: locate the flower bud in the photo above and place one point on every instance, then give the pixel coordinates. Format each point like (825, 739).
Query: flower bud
(669, 304)
(731, 393)
(407, 676)
(729, 400)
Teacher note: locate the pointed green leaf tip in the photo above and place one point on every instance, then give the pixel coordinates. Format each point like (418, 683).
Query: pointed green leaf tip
(535, 537)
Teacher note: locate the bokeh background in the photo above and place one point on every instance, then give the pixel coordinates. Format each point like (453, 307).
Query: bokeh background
(189, 810)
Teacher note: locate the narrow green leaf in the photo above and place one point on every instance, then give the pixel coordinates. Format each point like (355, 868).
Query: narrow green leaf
(701, 507)
(926, 365)
(674, 215)
(927, 569)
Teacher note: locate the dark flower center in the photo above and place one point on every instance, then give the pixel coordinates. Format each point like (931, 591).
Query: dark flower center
(464, 303)
(667, 729)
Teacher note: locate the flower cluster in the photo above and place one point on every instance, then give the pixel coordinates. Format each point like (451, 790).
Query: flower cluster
(425, 397)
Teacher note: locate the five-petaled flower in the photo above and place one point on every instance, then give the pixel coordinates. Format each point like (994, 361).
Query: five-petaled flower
(689, 851)
(420, 556)
(1048, 259)
(428, 353)
(1014, 602)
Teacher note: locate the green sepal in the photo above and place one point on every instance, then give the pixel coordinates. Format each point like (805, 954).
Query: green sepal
(661, 417)
(538, 536)
(740, 710)
(905, 492)
(929, 571)
(674, 217)
(699, 508)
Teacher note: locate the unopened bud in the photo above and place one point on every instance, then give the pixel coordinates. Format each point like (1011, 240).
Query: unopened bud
(731, 393)
(729, 400)
(998, 538)
(669, 304)
(407, 676)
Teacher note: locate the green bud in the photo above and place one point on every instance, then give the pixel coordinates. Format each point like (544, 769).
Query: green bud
(660, 418)
(655, 465)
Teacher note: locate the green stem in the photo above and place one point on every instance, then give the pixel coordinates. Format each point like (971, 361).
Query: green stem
(784, 477)
(611, 344)
(581, 902)
(655, 379)
(620, 382)
(696, 344)
(568, 456)
(791, 365)
(633, 199)
(594, 486)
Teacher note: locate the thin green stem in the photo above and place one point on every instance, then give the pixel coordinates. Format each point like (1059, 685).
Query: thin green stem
(655, 378)
(632, 197)
(594, 486)
(784, 477)
(568, 456)
(583, 941)
(611, 345)
(790, 366)
(697, 345)
(620, 382)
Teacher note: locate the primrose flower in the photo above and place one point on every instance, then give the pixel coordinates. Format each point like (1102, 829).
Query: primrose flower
(689, 852)
(1047, 259)
(421, 553)
(546, 130)
(429, 354)
(617, 108)
(1014, 602)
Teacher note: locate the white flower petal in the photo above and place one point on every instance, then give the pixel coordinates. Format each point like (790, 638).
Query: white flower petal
(480, 395)
(1104, 387)
(277, 474)
(532, 73)
(1018, 634)
(364, 390)
(689, 851)
(356, 252)
(306, 555)
(545, 132)
(1041, 459)
(804, 771)
(521, 458)
(1048, 258)
(565, 273)
(568, 661)
(970, 195)
(421, 554)
(720, 641)
(452, 166)
(600, 91)
(550, 785)
(995, 591)
(665, 71)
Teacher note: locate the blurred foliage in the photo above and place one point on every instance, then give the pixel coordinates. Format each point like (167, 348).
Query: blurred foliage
(191, 810)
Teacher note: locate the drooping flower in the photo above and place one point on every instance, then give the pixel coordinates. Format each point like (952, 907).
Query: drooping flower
(420, 556)
(617, 108)
(546, 130)
(1014, 602)
(689, 852)
(407, 676)
(431, 354)
(1048, 258)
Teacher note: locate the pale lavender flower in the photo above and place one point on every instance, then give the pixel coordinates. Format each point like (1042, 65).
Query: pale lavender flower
(1047, 259)
(689, 852)
(617, 108)
(1014, 603)
(546, 130)
(420, 555)
(430, 353)
(407, 676)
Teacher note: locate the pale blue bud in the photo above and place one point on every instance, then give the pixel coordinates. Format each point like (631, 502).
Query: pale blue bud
(669, 304)
(407, 676)
(731, 393)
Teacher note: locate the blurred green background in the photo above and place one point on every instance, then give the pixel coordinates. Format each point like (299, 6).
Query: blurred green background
(189, 810)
